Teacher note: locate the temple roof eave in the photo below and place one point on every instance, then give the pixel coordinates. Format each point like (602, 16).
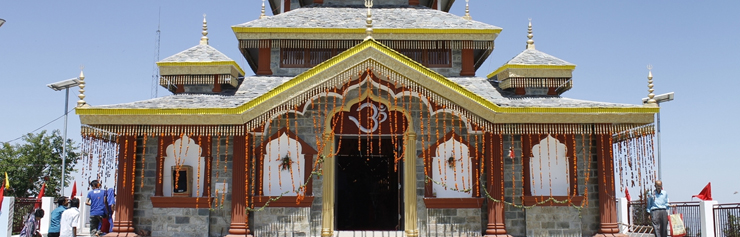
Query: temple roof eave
(253, 103)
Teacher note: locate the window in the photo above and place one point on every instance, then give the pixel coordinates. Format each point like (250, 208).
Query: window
(304, 58)
(430, 57)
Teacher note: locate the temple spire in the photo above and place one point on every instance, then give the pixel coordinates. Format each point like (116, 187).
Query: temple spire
(262, 15)
(204, 39)
(530, 41)
(81, 102)
(369, 30)
(651, 97)
(467, 11)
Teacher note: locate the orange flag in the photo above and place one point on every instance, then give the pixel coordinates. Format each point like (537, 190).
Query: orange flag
(706, 193)
(2, 196)
(38, 199)
(627, 195)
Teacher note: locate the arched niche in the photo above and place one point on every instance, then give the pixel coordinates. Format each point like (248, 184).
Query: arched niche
(283, 176)
(549, 168)
(184, 152)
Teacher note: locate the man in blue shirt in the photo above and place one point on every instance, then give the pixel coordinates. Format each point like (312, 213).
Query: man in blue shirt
(56, 217)
(96, 201)
(657, 208)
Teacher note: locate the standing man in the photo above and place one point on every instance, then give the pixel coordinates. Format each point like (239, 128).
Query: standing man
(70, 219)
(657, 208)
(96, 201)
(56, 216)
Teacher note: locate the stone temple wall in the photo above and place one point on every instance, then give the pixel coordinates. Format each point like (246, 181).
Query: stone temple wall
(204, 221)
(551, 221)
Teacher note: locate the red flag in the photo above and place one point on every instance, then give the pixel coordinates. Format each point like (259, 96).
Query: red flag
(627, 195)
(706, 193)
(38, 198)
(2, 196)
(511, 152)
(74, 190)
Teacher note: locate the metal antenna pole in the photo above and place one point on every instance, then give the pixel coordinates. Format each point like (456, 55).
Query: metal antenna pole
(64, 142)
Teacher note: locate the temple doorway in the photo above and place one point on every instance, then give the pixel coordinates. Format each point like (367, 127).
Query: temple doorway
(369, 178)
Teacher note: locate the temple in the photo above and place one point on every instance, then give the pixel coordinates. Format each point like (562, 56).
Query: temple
(367, 117)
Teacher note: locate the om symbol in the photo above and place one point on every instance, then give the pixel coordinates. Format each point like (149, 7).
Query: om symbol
(377, 113)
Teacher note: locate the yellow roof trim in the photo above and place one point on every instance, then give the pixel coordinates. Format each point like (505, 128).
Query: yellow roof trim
(341, 57)
(521, 66)
(214, 63)
(238, 29)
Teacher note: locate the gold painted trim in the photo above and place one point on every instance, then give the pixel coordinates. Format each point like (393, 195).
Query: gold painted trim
(341, 57)
(519, 66)
(238, 29)
(214, 63)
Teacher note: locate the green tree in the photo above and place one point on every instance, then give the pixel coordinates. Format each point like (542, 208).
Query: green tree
(733, 226)
(37, 160)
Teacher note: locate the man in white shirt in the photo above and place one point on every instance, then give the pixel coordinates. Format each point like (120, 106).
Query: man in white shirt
(70, 219)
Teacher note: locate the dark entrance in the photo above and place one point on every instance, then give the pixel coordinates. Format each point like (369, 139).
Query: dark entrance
(368, 184)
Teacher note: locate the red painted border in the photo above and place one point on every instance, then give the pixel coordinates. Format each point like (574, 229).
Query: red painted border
(285, 201)
(180, 202)
(453, 202)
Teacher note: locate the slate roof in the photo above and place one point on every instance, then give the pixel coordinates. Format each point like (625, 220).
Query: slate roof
(490, 91)
(255, 86)
(352, 17)
(198, 53)
(536, 57)
(251, 88)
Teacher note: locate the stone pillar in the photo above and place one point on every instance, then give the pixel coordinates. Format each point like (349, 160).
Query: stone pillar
(124, 214)
(409, 185)
(239, 216)
(607, 202)
(496, 226)
(468, 59)
(706, 211)
(265, 51)
(327, 212)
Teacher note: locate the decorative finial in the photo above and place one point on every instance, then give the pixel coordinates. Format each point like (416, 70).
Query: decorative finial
(530, 41)
(204, 39)
(369, 4)
(81, 102)
(651, 96)
(263, 10)
(467, 11)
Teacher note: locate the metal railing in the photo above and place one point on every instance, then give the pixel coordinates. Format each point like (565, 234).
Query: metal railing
(21, 209)
(727, 220)
(691, 216)
(640, 221)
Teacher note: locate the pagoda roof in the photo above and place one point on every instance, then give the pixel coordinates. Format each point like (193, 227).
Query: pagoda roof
(536, 57)
(198, 53)
(353, 17)
(254, 86)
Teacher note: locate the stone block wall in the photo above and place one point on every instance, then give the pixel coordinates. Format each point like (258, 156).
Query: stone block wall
(283, 221)
(549, 221)
(185, 222)
(458, 222)
(144, 217)
(220, 212)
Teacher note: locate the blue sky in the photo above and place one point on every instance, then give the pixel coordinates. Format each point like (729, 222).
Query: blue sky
(692, 46)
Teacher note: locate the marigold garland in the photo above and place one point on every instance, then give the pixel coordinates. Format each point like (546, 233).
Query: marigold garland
(143, 161)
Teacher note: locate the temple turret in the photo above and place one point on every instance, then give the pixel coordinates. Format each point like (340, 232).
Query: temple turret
(200, 70)
(533, 72)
